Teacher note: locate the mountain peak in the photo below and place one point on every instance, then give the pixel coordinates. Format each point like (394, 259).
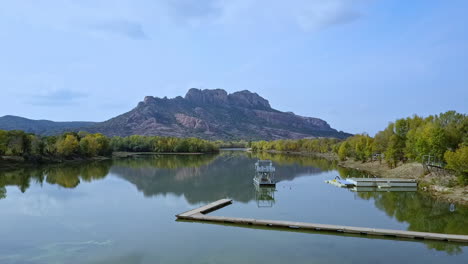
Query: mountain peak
(248, 99)
(149, 99)
(207, 96)
(243, 98)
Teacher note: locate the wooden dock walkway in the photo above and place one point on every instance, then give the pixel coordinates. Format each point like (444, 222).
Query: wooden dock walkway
(205, 209)
(199, 214)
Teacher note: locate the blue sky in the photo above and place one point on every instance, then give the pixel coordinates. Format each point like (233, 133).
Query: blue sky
(357, 64)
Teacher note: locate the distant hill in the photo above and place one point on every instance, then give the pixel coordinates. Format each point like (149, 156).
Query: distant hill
(40, 127)
(208, 114)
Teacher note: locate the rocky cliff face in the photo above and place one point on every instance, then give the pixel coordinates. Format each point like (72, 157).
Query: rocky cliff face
(214, 114)
(220, 97)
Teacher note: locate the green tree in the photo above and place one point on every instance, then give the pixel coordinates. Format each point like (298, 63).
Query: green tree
(343, 151)
(458, 161)
(382, 139)
(36, 146)
(50, 146)
(455, 126)
(393, 152)
(3, 142)
(17, 143)
(89, 146)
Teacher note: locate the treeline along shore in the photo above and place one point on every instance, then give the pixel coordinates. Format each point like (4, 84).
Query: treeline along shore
(18, 146)
(400, 150)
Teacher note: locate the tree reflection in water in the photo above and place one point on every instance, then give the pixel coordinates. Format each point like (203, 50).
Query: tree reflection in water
(2, 192)
(228, 174)
(422, 212)
(65, 175)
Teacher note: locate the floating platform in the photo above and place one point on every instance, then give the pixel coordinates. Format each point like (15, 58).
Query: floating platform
(199, 214)
(383, 182)
(264, 182)
(383, 189)
(264, 174)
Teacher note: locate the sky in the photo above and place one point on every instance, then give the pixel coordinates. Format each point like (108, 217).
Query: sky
(358, 64)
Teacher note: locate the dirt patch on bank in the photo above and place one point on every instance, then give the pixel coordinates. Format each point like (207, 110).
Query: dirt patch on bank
(380, 169)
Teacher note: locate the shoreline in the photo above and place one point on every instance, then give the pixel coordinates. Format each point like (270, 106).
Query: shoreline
(442, 186)
(125, 154)
(15, 162)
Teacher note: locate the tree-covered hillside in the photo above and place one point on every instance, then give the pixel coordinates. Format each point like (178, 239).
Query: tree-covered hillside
(443, 137)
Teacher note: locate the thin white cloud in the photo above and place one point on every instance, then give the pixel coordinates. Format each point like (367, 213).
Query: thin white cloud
(56, 97)
(316, 16)
(94, 17)
(131, 18)
(305, 14)
(124, 28)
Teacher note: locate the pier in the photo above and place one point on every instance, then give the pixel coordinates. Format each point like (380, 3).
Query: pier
(199, 214)
(382, 182)
(375, 184)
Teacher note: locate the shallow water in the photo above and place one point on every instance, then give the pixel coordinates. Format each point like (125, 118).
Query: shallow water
(122, 211)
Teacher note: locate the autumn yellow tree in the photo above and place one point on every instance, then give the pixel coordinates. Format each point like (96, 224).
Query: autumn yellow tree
(67, 145)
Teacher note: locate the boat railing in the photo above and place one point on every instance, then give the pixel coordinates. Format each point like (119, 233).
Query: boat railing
(265, 168)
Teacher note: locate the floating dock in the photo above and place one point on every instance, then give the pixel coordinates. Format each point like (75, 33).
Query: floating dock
(199, 214)
(382, 182)
(205, 209)
(383, 189)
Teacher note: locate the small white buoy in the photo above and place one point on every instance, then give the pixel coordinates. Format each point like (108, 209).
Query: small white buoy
(452, 207)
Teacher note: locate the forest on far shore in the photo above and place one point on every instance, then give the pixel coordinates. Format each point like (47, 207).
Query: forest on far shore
(443, 137)
(72, 145)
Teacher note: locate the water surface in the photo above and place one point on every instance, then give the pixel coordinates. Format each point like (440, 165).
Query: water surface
(122, 211)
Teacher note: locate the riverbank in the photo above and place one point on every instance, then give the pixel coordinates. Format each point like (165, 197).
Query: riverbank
(439, 185)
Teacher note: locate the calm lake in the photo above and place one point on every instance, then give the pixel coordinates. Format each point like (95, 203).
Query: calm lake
(123, 211)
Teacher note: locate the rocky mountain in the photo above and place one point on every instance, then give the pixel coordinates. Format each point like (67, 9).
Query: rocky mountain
(214, 114)
(40, 127)
(209, 114)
